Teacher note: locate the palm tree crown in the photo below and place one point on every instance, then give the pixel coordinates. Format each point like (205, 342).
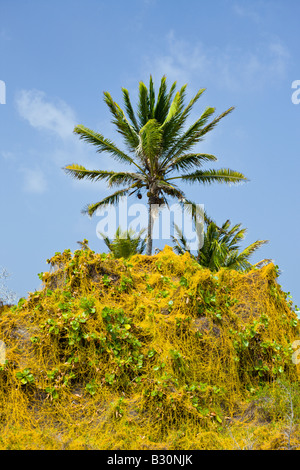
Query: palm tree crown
(159, 148)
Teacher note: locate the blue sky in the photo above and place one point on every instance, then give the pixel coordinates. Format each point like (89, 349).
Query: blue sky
(57, 58)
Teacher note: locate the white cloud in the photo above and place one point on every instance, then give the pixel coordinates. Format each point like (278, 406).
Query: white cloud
(59, 119)
(229, 67)
(42, 114)
(7, 155)
(246, 12)
(34, 181)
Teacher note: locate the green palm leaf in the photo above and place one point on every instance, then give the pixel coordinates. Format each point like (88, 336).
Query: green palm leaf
(224, 175)
(163, 100)
(247, 252)
(109, 200)
(186, 161)
(150, 140)
(129, 109)
(143, 105)
(102, 144)
(186, 112)
(191, 137)
(80, 172)
(124, 177)
(124, 128)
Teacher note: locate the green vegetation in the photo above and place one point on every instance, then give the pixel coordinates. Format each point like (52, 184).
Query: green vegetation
(152, 352)
(126, 243)
(220, 248)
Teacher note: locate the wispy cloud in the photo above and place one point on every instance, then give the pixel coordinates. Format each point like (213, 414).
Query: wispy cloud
(7, 155)
(59, 119)
(43, 114)
(229, 67)
(246, 11)
(34, 180)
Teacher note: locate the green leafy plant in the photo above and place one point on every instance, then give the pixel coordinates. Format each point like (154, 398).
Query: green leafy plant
(25, 376)
(91, 387)
(88, 305)
(123, 345)
(52, 392)
(126, 283)
(106, 280)
(177, 360)
(117, 408)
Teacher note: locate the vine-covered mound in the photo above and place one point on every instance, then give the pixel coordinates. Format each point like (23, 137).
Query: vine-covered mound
(150, 353)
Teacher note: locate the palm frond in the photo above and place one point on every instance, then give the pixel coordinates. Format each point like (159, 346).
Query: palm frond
(129, 109)
(190, 137)
(150, 141)
(169, 189)
(173, 110)
(109, 200)
(186, 161)
(151, 98)
(143, 104)
(247, 252)
(102, 144)
(224, 175)
(263, 262)
(195, 210)
(124, 128)
(80, 172)
(237, 262)
(234, 236)
(124, 177)
(185, 113)
(163, 100)
(215, 121)
(172, 126)
(181, 244)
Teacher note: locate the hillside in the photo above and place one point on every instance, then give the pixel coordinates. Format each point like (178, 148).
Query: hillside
(151, 353)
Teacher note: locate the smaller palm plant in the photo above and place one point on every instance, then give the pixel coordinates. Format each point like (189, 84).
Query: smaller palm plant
(126, 243)
(220, 247)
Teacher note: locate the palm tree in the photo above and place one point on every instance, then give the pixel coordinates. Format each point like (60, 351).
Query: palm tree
(125, 244)
(220, 248)
(158, 147)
